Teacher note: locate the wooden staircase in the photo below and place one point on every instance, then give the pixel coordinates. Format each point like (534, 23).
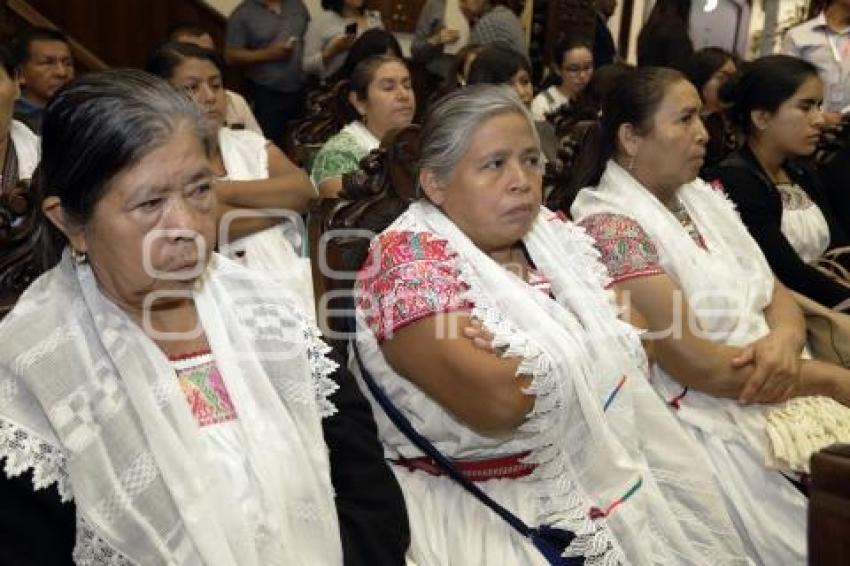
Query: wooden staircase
(111, 33)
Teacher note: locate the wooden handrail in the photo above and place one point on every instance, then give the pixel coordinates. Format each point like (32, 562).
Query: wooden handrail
(27, 12)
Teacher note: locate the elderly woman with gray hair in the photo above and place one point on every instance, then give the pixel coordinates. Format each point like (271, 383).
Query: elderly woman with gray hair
(551, 423)
(181, 407)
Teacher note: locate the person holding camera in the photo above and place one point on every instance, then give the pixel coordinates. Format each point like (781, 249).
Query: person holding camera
(331, 36)
(265, 37)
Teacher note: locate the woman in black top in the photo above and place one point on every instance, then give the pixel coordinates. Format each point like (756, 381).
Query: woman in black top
(664, 39)
(776, 102)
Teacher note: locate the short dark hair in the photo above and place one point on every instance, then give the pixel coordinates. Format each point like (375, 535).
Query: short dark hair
(496, 65)
(764, 84)
(8, 61)
(374, 41)
(23, 42)
(184, 28)
(566, 45)
(99, 125)
(704, 63)
(337, 5)
(171, 55)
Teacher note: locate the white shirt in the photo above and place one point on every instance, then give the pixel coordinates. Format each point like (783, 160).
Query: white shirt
(547, 102)
(814, 41)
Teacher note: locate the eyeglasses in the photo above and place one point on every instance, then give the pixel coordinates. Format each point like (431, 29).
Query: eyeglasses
(577, 69)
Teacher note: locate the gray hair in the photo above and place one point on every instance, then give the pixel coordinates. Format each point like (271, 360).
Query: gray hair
(454, 119)
(97, 126)
(102, 123)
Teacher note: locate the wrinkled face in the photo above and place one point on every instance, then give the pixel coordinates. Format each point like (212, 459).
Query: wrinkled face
(796, 125)
(472, 9)
(710, 97)
(494, 192)
(202, 80)
(521, 84)
(9, 91)
(672, 152)
(154, 228)
(576, 70)
(390, 102)
(204, 40)
(49, 67)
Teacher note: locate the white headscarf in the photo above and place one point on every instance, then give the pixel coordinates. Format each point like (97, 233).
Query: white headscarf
(87, 400)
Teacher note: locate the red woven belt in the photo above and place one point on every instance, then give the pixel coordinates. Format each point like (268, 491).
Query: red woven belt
(505, 467)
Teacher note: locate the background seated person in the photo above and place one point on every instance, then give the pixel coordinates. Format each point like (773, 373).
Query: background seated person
(239, 115)
(19, 147)
(381, 99)
(574, 60)
(708, 70)
(495, 22)
(777, 104)
(166, 404)
(497, 65)
(726, 336)
(45, 63)
(252, 173)
(552, 425)
(328, 36)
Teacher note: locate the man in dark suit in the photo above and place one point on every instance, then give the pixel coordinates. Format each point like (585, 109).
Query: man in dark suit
(604, 49)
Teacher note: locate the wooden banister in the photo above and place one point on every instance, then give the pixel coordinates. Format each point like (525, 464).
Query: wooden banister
(28, 13)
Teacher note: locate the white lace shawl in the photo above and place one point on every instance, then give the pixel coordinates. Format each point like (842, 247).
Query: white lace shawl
(727, 286)
(90, 403)
(577, 352)
(273, 250)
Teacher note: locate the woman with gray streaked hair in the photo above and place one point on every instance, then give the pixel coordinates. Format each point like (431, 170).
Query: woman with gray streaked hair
(160, 404)
(547, 422)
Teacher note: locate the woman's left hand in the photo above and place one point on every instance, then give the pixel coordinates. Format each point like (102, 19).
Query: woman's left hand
(776, 358)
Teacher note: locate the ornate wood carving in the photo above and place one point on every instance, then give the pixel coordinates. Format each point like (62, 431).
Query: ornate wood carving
(20, 234)
(372, 198)
(398, 15)
(325, 115)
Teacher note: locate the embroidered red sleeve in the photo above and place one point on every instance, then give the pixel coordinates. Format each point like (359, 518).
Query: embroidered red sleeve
(626, 250)
(408, 276)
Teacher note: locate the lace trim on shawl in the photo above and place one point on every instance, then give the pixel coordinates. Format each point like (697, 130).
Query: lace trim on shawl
(321, 366)
(564, 506)
(23, 451)
(591, 258)
(91, 550)
(265, 322)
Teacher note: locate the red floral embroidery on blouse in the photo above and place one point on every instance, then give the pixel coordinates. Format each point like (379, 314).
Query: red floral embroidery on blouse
(408, 276)
(626, 250)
